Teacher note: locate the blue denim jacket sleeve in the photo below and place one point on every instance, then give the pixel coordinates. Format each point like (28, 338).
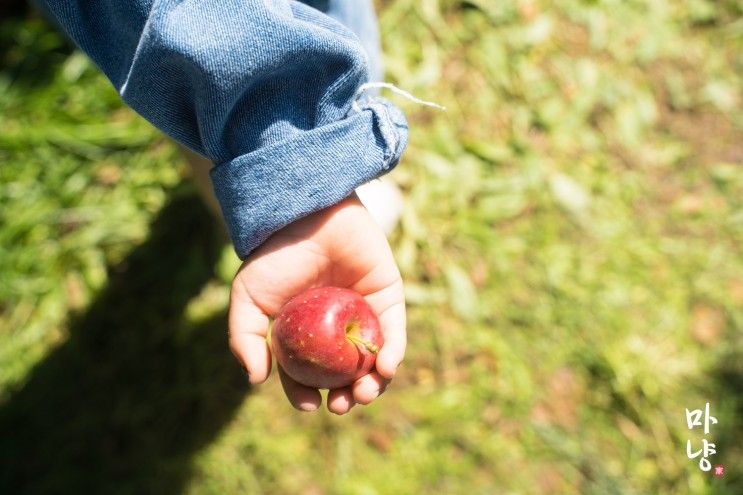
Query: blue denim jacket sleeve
(262, 88)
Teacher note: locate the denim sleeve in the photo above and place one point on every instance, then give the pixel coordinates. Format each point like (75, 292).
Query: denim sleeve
(262, 88)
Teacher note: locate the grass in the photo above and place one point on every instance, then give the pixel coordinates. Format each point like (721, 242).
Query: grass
(571, 247)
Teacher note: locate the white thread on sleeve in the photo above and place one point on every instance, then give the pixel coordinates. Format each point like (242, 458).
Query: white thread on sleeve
(383, 85)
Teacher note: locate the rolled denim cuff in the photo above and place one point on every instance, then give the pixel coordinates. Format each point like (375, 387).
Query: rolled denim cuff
(265, 190)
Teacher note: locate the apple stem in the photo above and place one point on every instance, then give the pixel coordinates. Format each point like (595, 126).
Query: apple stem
(352, 333)
(368, 345)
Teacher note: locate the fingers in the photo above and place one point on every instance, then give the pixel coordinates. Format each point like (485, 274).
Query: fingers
(392, 319)
(395, 340)
(369, 387)
(248, 326)
(301, 397)
(340, 400)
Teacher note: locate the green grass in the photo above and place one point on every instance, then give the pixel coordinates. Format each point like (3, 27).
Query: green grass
(572, 247)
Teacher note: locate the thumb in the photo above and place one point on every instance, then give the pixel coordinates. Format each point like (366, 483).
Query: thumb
(248, 327)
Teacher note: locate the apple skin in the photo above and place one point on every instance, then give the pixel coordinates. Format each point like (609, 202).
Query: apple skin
(326, 337)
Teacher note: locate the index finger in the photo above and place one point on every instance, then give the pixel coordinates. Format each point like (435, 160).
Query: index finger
(395, 340)
(389, 304)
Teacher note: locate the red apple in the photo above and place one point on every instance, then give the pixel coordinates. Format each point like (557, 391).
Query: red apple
(326, 337)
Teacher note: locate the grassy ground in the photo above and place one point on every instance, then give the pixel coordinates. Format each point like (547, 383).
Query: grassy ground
(572, 246)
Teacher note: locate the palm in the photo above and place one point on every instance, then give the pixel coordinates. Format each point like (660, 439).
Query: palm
(340, 246)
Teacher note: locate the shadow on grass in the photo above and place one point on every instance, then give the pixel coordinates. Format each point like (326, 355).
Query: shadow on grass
(727, 388)
(31, 50)
(125, 402)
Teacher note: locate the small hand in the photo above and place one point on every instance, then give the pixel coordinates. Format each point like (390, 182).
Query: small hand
(339, 246)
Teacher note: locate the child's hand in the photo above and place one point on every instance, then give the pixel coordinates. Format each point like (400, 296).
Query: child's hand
(339, 246)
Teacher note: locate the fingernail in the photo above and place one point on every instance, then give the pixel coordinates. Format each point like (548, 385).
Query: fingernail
(307, 407)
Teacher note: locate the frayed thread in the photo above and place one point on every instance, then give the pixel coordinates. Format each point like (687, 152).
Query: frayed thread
(383, 85)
